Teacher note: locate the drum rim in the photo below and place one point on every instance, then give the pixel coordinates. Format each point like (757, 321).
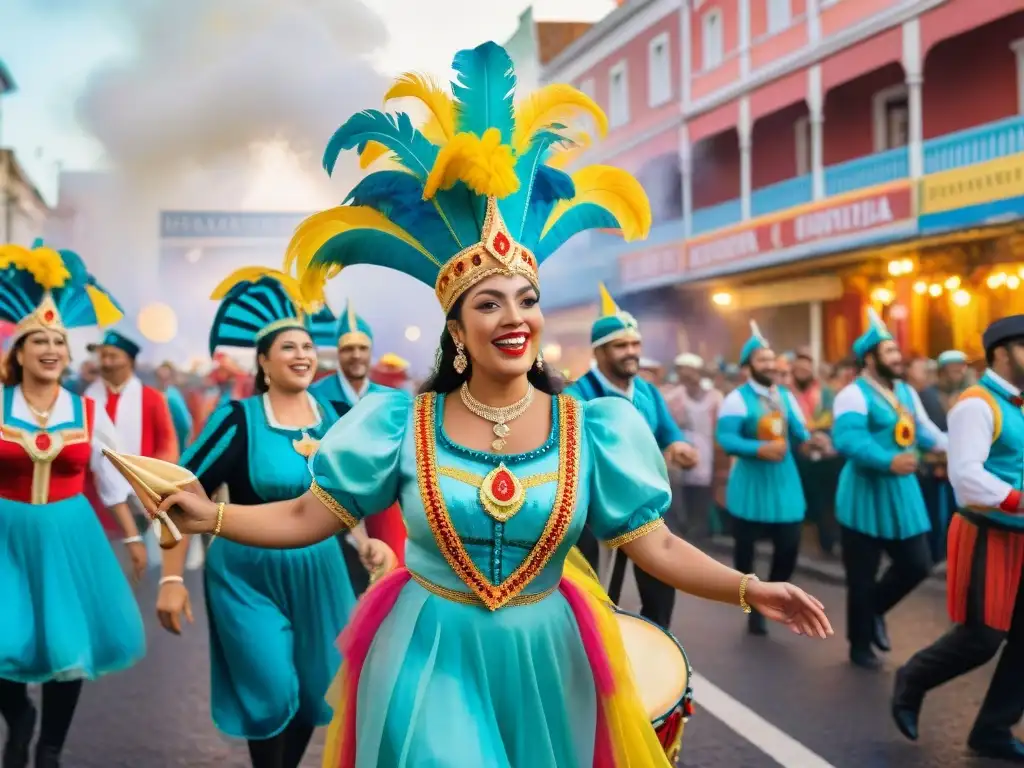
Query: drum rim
(688, 693)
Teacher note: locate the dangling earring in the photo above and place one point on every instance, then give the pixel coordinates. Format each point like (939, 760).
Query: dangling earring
(461, 362)
(540, 360)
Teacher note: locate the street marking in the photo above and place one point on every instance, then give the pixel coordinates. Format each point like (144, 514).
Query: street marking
(778, 745)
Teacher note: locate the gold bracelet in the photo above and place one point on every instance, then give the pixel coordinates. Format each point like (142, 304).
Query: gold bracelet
(744, 605)
(220, 520)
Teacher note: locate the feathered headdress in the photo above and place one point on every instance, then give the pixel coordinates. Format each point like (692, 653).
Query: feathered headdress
(875, 334)
(477, 192)
(256, 301)
(46, 289)
(352, 329)
(613, 324)
(754, 343)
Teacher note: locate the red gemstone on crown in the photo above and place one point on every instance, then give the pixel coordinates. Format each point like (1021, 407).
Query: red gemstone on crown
(48, 316)
(501, 243)
(444, 281)
(459, 267)
(503, 487)
(477, 261)
(43, 441)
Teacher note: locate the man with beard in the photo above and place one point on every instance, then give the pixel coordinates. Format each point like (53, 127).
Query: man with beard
(879, 426)
(352, 382)
(759, 424)
(615, 339)
(139, 413)
(986, 548)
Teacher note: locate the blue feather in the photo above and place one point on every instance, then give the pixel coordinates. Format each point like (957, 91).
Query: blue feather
(396, 132)
(371, 246)
(550, 186)
(515, 208)
(322, 327)
(484, 90)
(577, 219)
(79, 274)
(20, 294)
(399, 196)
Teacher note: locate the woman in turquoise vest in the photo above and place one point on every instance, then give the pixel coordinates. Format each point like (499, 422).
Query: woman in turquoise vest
(879, 426)
(274, 614)
(760, 424)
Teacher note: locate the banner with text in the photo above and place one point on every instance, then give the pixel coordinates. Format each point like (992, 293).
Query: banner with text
(985, 193)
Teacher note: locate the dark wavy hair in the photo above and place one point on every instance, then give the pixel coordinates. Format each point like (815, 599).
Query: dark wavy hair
(13, 373)
(263, 348)
(445, 378)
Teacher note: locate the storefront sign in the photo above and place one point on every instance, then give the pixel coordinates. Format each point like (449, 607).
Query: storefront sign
(653, 264)
(827, 221)
(213, 224)
(974, 185)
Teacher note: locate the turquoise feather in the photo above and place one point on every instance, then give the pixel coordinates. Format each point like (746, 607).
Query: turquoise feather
(575, 220)
(484, 90)
(399, 196)
(396, 132)
(550, 186)
(514, 208)
(371, 246)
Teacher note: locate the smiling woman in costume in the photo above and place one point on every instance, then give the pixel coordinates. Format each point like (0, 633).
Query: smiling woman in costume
(496, 472)
(67, 613)
(269, 691)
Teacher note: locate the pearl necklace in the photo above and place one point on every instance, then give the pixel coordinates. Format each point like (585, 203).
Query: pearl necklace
(497, 416)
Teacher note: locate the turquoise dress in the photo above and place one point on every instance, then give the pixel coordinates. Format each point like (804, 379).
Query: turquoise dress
(762, 491)
(447, 681)
(180, 416)
(339, 395)
(274, 614)
(866, 426)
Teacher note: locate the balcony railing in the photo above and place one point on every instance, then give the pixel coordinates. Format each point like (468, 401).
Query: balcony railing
(869, 171)
(717, 216)
(974, 145)
(782, 195)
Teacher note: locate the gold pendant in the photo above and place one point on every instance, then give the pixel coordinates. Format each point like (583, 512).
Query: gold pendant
(502, 494)
(306, 446)
(501, 430)
(904, 431)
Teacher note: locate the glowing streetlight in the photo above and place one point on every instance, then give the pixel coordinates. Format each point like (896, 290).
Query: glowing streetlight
(412, 333)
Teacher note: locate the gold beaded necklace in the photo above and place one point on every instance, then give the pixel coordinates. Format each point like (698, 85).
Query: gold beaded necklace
(499, 417)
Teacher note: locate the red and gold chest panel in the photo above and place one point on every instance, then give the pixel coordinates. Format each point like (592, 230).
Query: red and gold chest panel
(502, 492)
(44, 465)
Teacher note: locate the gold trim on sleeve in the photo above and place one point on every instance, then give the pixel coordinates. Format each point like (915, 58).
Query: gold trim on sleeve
(635, 534)
(347, 519)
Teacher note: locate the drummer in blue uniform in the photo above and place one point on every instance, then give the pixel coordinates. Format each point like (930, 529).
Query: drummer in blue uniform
(352, 381)
(616, 341)
(879, 426)
(760, 423)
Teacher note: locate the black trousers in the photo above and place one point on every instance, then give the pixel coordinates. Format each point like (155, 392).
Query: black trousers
(698, 501)
(657, 599)
(967, 647)
(867, 596)
(785, 539)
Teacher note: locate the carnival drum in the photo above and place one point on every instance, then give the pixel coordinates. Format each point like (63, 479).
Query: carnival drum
(662, 674)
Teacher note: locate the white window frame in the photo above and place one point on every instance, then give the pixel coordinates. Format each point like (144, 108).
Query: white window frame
(618, 117)
(659, 86)
(879, 102)
(781, 13)
(802, 138)
(588, 86)
(1017, 46)
(707, 62)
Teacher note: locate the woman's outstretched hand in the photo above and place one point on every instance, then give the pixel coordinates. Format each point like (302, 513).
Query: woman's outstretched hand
(789, 605)
(191, 512)
(376, 557)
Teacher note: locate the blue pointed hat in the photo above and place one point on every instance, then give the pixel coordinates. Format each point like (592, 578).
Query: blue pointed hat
(875, 334)
(46, 289)
(255, 301)
(477, 191)
(118, 339)
(352, 329)
(613, 324)
(754, 343)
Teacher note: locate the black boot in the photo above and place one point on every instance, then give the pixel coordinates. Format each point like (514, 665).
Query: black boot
(47, 757)
(865, 658)
(1004, 747)
(19, 738)
(906, 705)
(756, 624)
(880, 638)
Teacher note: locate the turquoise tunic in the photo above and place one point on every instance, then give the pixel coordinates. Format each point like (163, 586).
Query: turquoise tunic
(870, 499)
(274, 614)
(646, 398)
(458, 685)
(330, 393)
(761, 491)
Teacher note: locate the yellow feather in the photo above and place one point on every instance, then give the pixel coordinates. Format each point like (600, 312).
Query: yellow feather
(616, 191)
(106, 311)
(432, 95)
(433, 132)
(372, 152)
(487, 166)
(555, 103)
(608, 306)
(44, 264)
(561, 157)
(251, 275)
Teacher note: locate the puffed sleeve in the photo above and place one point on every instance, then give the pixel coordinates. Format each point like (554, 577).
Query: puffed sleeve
(355, 469)
(111, 487)
(629, 487)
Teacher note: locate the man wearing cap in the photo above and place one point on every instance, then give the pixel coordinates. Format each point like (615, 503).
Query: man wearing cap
(879, 426)
(759, 424)
(986, 551)
(615, 339)
(352, 381)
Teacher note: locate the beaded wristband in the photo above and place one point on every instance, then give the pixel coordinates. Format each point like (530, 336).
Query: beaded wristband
(220, 520)
(744, 605)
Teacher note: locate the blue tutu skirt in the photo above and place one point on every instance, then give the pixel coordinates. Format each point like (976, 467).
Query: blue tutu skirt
(275, 616)
(67, 611)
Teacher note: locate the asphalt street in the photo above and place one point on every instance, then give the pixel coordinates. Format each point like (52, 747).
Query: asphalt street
(810, 708)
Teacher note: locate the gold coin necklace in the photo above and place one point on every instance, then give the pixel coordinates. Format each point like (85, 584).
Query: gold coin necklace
(499, 417)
